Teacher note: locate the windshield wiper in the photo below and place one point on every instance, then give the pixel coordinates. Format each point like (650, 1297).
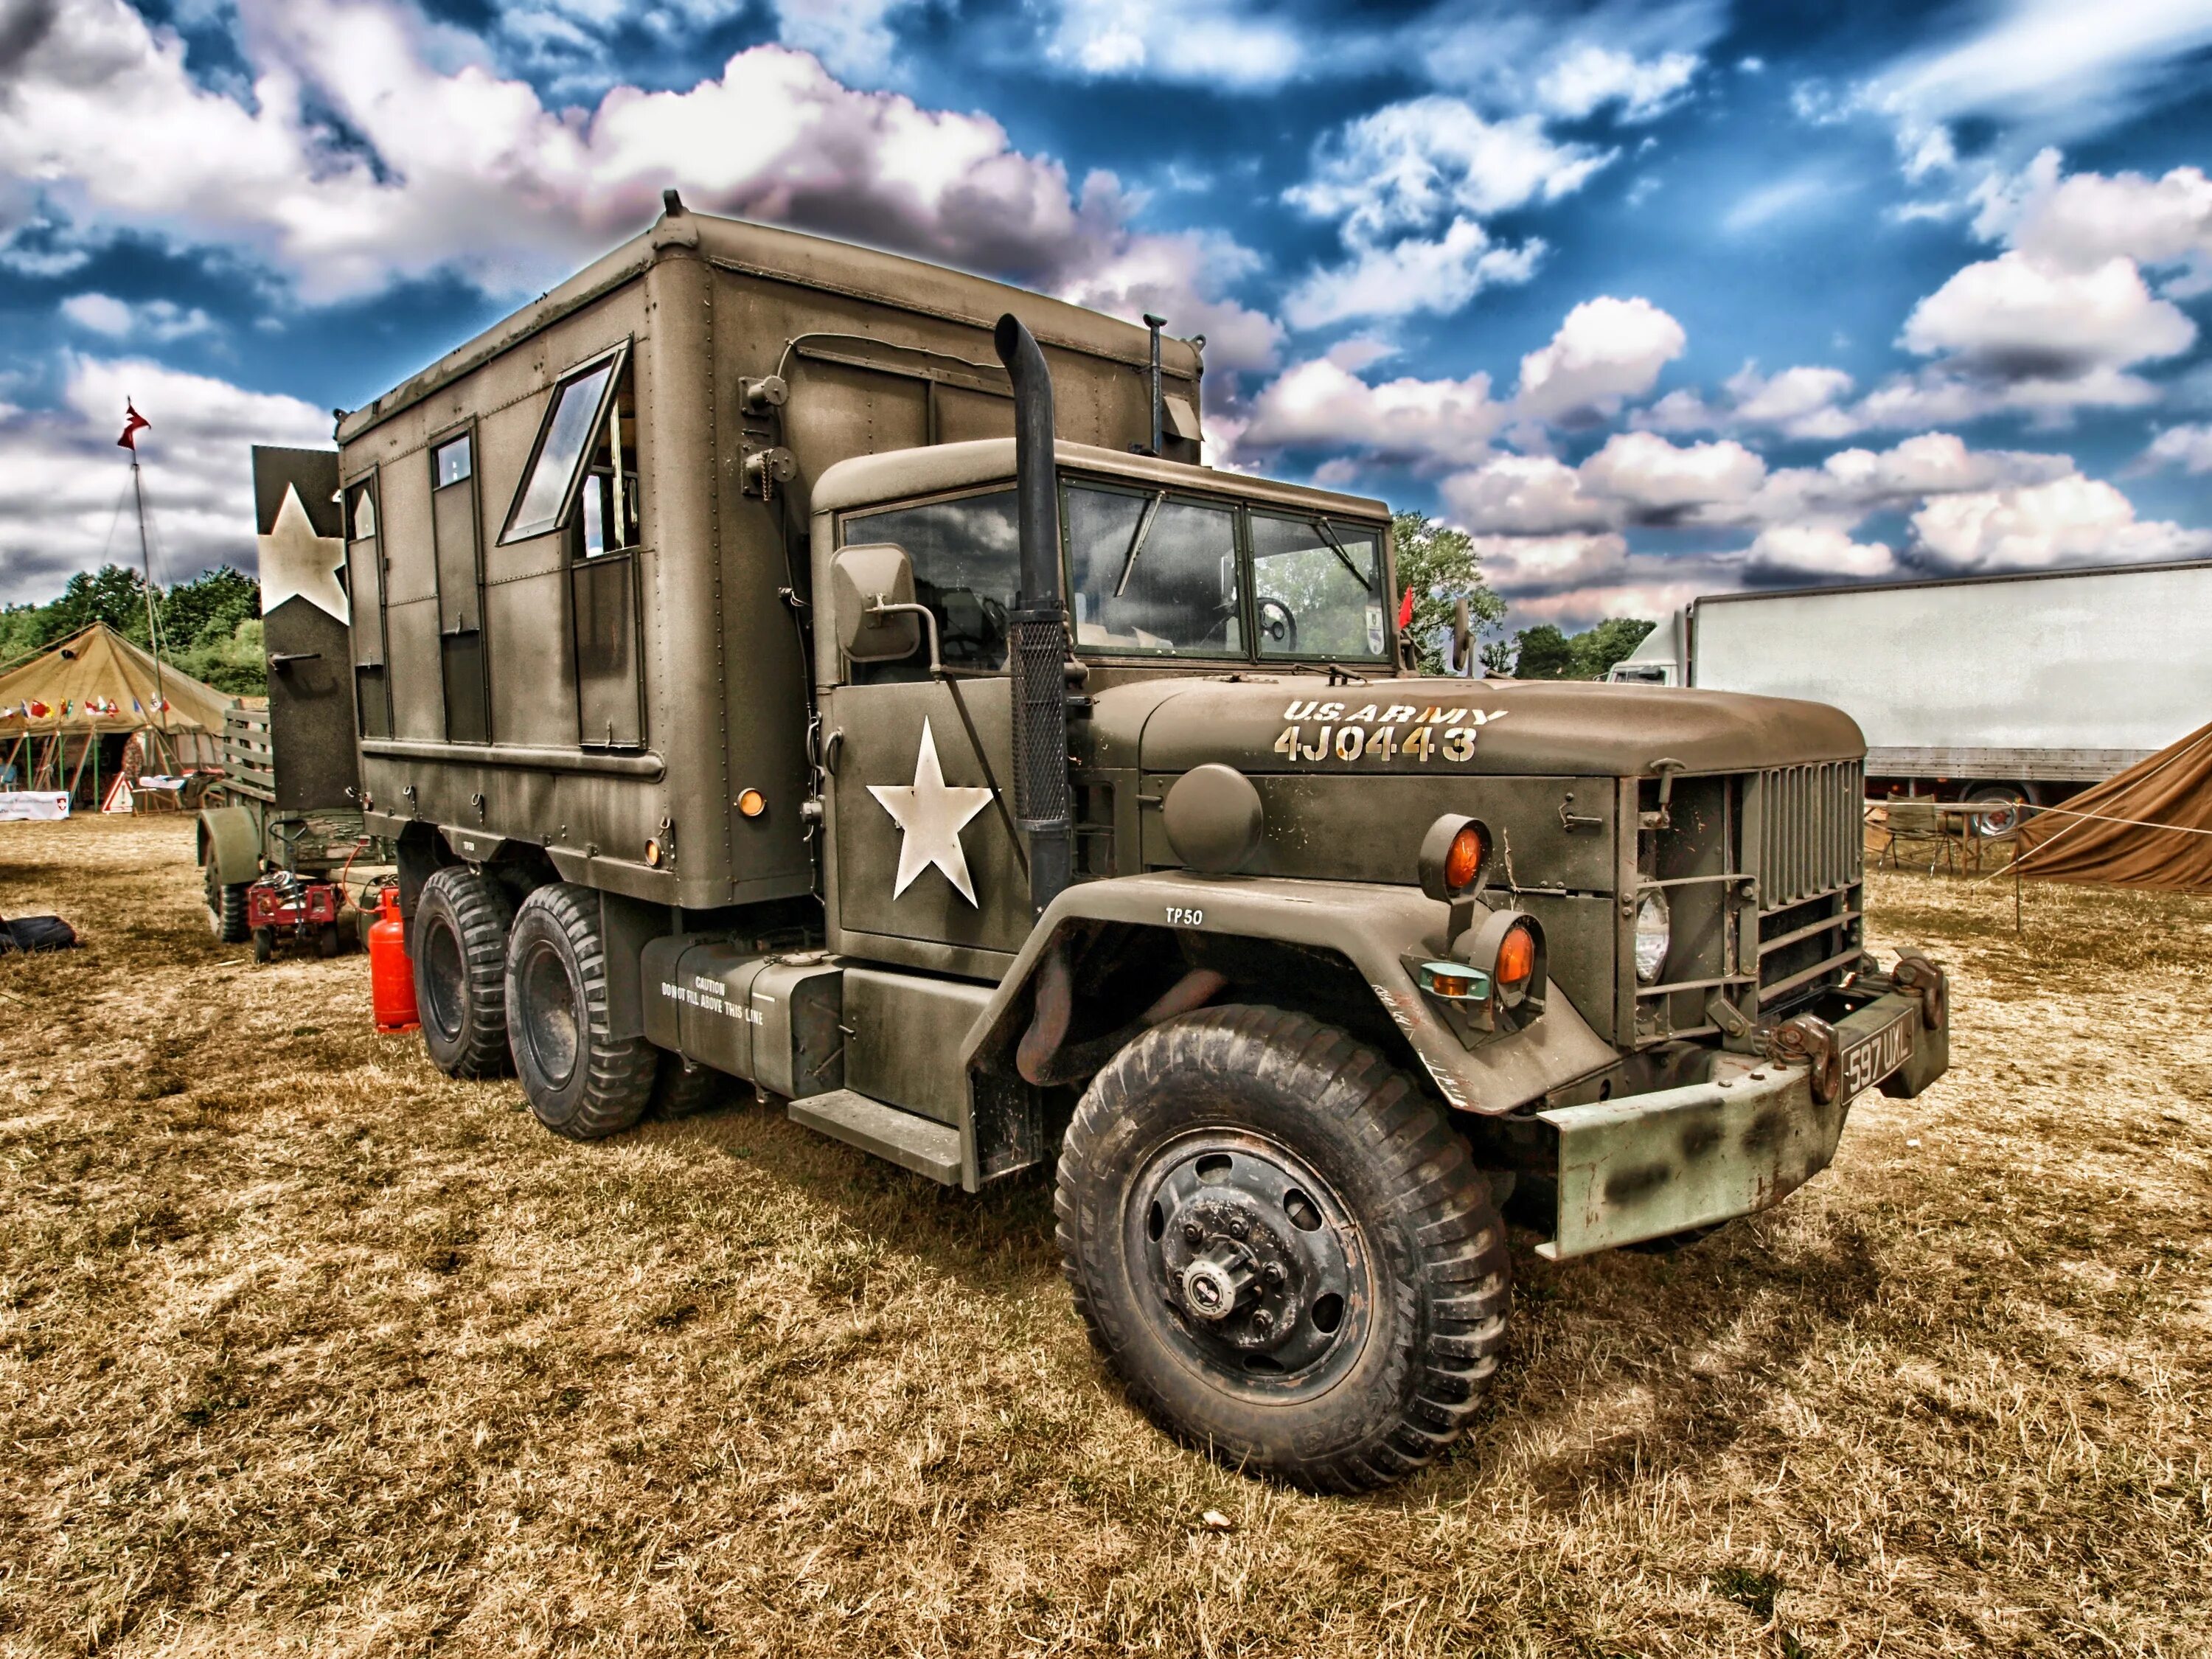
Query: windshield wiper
(1337, 548)
(1137, 539)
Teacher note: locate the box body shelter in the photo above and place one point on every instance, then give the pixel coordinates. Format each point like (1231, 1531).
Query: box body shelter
(610, 703)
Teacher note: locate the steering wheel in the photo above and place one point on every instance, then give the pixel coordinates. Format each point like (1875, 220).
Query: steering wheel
(1284, 632)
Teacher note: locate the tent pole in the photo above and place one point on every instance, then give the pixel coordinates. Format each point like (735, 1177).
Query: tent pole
(77, 776)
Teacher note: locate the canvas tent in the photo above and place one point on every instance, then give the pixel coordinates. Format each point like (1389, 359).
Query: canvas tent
(2151, 826)
(69, 714)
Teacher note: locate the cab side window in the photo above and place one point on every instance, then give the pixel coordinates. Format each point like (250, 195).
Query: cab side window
(967, 557)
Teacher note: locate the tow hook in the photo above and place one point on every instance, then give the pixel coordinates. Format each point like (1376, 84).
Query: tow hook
(1811, 1039)
(1918, 974)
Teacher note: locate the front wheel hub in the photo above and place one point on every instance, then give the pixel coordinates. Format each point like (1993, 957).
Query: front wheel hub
(1214, 1284)
(1255, 1264)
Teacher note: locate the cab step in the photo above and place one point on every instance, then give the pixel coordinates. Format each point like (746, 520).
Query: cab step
(910, 1141)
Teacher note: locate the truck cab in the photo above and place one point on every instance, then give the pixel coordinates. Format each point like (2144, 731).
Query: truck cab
(785, 663)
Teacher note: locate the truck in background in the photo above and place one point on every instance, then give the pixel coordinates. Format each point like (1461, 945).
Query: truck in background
(2023, 688)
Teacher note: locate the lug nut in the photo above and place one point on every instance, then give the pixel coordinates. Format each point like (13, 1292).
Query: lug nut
(1236, 1228)
(1193, 1232)
(1273, 1272)
(1262, 1322)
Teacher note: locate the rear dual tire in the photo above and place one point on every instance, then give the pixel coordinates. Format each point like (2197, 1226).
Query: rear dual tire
(1244, 1162)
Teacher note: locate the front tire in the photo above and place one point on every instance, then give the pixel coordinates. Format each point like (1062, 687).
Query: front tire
(1284, 1251)
(581, 1079)
(461, 924)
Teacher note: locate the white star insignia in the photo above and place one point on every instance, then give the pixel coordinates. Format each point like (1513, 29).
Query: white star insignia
(296, 561)
(932, 814)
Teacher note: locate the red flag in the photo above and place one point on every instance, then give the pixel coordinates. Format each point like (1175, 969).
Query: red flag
(1406, 612)
(133, 424)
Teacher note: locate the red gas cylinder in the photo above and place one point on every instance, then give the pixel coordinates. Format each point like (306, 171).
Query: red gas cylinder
(391, 971)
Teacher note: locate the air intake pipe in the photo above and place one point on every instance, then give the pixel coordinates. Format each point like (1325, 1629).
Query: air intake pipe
(1037, 647)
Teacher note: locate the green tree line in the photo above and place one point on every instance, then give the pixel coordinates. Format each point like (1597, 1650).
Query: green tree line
(1442, 566)
(210, 626)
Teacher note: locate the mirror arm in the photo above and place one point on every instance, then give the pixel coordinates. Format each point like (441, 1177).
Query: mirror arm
(878, 607)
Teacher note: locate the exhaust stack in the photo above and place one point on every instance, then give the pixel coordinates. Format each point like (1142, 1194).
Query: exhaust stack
(1037, 646)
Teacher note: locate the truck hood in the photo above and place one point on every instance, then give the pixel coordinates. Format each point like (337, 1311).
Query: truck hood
(1504, 726)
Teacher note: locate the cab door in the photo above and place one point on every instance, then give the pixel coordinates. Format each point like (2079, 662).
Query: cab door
(926, 865)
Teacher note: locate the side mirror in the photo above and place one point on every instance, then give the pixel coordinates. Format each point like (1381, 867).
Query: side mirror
(872, 595)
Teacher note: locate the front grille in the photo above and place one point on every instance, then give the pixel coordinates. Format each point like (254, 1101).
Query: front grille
(1809, 867)
(1810, 832)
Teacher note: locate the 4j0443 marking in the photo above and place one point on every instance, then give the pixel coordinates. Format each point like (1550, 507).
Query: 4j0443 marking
(1349, 742)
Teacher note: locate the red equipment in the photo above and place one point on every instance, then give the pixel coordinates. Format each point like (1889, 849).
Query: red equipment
(391, 970)
(284, 903)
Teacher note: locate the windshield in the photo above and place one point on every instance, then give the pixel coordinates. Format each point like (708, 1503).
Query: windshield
(1318, 588)
(1153, 573)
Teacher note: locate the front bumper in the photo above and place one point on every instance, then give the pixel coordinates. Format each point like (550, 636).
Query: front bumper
(1645, 1166)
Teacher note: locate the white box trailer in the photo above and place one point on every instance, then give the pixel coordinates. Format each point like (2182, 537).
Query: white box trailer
(1977, 687)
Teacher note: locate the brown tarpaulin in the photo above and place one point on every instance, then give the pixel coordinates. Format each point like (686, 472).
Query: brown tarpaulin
(2161, 800)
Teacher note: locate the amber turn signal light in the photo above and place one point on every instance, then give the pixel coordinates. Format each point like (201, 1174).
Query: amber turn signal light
(751, 803)
(1464, 862)
(1517, 956)
(1453, 855)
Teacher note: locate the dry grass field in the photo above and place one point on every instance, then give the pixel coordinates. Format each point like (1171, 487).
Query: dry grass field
(304, 1348)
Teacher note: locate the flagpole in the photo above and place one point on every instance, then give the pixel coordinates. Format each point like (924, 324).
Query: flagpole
(146, 562)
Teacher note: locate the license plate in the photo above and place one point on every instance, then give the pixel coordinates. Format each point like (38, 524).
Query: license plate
(1881, 1053)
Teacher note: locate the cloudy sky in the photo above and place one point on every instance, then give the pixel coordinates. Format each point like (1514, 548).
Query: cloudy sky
(1657, 299)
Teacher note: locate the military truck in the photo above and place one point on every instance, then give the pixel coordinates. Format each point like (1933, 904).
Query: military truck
(781, 661)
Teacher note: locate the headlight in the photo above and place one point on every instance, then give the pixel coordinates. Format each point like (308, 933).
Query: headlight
(1655, 932)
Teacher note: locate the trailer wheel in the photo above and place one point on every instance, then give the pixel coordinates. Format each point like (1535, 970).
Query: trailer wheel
(264, 944)
(461, 924)
(1284, 1251)
(226, 903)
(581, 1080)
(1994, 825)
(327, 940)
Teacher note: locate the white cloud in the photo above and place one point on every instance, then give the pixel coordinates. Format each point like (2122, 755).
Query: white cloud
(1527, 495)
(2053, 65)
(1802, 402)
(1653, 479)
(2082, 221)
(1607, 349)
(1410, 166)
(2068, 520)
(61, 477)
(1411, 184)
(453, 168)
(1414, 274)
(1520, 566)
(1785, 553)
(154, 319)
(1322, 403)
(853, 37)
(2189, 447)
(1590, 76)
(1212, 42)
(1175, 275)
(2019, 318)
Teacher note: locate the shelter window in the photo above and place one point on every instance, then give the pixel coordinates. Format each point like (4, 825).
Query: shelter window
(966, 559)
(612, 499)
(574, 426)
(1319, 589)
(451, 462)
(364, 589)
(1154, 573)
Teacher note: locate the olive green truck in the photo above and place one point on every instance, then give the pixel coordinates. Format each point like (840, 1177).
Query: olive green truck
(782, 661)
